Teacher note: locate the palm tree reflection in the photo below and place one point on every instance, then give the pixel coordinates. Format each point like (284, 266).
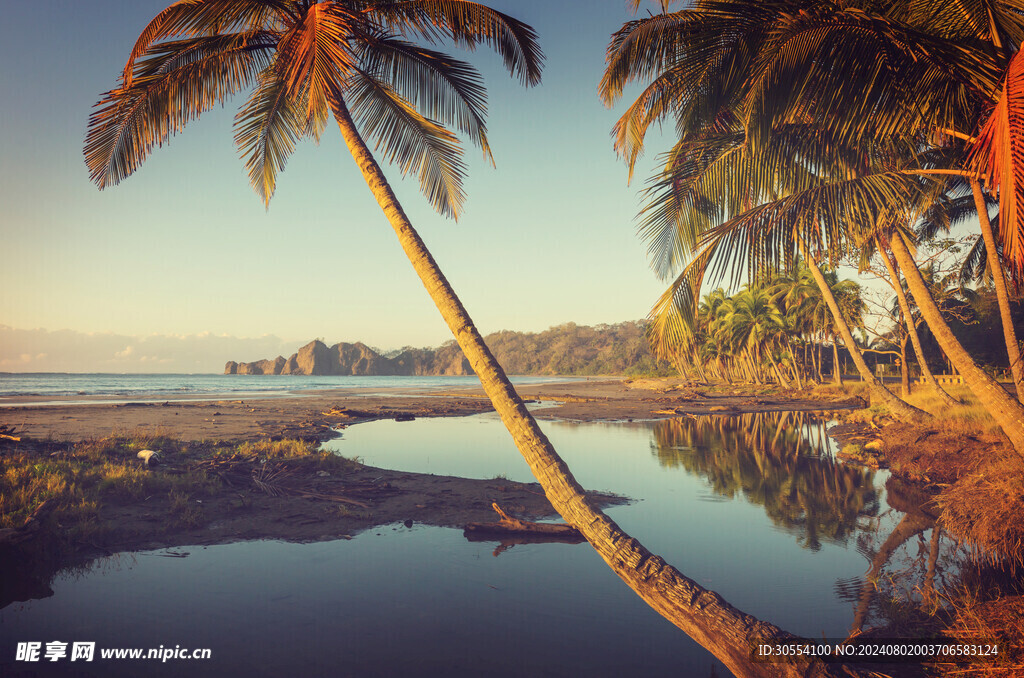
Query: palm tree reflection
(778, 460)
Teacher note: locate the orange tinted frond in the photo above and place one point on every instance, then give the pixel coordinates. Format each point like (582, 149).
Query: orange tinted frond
(999, 156)
(196, 18)
(314, 56)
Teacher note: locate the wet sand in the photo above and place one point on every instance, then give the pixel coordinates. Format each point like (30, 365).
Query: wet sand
(315, 414)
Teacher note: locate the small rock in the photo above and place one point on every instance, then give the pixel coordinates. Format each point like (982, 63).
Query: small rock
(322, 474)
(149, 457)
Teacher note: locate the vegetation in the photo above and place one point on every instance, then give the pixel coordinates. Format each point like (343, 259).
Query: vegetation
(768, 333)
(84, 478)
(572, 349)
(823, 131)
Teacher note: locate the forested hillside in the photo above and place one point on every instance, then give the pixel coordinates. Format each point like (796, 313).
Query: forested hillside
(568, 349)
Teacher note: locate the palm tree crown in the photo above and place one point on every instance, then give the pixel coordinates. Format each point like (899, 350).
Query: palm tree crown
(305, 61)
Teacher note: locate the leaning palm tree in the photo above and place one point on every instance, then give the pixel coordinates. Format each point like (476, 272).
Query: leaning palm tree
(308, 61)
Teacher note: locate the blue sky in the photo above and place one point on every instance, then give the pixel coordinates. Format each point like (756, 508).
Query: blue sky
(185, 247)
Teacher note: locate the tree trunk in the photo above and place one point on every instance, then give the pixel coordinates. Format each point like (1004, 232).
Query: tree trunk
(877, 389)
(915, 339)
(702, 614)
(904, 369)
(1007, 411)
(999, 281)
(778, 373)
(837, 373)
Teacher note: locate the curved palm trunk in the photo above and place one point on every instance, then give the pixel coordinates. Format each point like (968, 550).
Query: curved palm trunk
(999, 281)
(1007, 411)
(702, 614)
(915, 339)
(896, 406)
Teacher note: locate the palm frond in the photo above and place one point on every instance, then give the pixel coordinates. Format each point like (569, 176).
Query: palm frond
(411, 141)
(999, 156)
(315, 58)
(807, 68)
(468, 24)
(671, 322)
(198, 18)
(642, 50)
(267, 128)
(179, 80)
(440, 87)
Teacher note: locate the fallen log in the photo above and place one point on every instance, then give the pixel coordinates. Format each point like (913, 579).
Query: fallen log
(509, 525)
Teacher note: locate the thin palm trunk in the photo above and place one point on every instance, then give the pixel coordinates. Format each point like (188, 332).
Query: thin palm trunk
(999, 281)
(904, 369)
(837, 373)
(796, 372)
(778, 372)
(702, 614)
(897, 406)
(915, 339)
(1006, 410)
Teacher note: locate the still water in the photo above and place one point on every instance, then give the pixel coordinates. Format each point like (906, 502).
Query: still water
(752, 507)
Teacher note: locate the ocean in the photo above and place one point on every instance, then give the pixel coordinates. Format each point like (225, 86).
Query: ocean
(214, 386)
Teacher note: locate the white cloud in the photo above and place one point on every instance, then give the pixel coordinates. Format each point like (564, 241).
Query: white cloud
(40, 350)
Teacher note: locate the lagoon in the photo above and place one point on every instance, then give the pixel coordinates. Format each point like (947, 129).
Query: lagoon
(754, 507)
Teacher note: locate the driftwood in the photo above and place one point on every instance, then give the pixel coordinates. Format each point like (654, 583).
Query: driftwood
(513, 526)
(15, 535)
(7, 432)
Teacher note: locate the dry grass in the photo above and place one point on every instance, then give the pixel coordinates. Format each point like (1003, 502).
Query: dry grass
(296, 452)
(987, 606)
(968, 417)
(85, 476)
(986, 508)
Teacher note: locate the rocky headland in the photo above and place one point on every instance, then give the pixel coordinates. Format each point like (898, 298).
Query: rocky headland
(316, 358)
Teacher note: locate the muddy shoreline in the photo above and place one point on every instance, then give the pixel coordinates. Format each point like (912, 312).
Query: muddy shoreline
(315, 415)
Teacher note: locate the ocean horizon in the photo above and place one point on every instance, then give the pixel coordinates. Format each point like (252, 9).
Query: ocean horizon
(209, 385)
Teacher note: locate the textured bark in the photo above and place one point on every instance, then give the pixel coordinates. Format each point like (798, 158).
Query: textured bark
(878, 390)
(1006, 410)
(999, 282)
(915, 338)
(702, 614)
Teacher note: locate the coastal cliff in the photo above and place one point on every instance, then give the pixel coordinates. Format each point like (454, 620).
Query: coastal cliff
(565, 349)
(358, 359)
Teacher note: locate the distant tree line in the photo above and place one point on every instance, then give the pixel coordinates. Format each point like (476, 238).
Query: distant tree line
(570, 349)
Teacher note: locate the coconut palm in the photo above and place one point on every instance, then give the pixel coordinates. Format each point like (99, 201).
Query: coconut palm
(799, 125)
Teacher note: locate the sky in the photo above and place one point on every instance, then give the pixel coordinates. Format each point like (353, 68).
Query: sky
(185, 249)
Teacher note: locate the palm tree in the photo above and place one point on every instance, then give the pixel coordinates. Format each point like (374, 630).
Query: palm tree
(801, 124)
(306, 62)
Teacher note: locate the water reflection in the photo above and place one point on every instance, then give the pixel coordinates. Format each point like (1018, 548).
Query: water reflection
(778, 460)
(433, 594)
